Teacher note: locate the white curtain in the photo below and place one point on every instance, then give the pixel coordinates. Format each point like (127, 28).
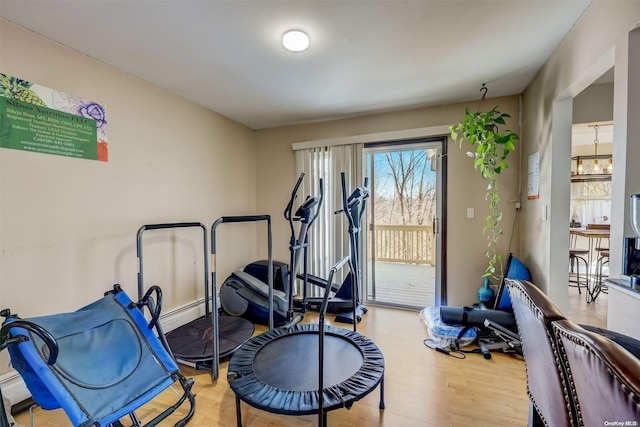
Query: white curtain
(328, 238)
(591, 202)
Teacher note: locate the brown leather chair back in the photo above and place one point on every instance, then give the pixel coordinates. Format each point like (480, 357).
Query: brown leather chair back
(604, 377)
(534, 312)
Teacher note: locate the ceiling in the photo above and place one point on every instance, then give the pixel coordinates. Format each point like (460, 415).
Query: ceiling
(365, 56)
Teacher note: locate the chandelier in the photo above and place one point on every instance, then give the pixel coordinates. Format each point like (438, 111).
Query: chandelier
(596, 167)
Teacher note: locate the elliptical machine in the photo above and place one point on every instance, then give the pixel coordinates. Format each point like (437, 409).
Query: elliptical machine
(347, 294)
(245, 293)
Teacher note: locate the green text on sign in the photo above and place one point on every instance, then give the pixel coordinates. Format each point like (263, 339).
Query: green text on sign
(31, 127)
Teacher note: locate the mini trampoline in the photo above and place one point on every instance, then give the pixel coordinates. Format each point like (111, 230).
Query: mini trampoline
(193, 342)
(271, 371)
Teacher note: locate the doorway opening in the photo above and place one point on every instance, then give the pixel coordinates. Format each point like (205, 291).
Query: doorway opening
(404, 219)
(590, 198)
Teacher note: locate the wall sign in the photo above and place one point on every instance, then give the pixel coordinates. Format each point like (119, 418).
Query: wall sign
(36, 118)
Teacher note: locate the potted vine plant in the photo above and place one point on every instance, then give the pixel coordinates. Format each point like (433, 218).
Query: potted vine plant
(481, 130)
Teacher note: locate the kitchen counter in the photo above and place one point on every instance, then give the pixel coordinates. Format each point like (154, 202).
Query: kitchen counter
(623, 311)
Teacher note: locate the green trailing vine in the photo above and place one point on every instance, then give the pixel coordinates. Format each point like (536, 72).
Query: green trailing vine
(481, 130)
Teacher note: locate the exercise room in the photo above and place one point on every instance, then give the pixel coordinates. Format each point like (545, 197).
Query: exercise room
(252, 213)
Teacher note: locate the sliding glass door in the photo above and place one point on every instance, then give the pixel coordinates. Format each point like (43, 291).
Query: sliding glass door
(403, 223)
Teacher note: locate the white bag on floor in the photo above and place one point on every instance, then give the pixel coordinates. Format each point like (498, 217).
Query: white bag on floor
(443, 334)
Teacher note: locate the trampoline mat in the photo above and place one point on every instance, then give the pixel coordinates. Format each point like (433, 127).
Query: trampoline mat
(277, 371)
(276, 357)
(193, 340)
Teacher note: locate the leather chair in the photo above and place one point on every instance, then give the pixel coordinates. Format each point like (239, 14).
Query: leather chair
(604, 378)
(546, 379)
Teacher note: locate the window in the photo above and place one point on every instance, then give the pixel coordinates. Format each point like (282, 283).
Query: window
(590, 202)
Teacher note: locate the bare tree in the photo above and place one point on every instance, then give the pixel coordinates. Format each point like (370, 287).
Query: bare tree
(413, 199)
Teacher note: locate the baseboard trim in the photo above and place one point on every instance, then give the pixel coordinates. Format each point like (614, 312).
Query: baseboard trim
(182, 315)
(14, 388)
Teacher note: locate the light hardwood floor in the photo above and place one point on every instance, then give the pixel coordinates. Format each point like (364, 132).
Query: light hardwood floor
(594, 313)
(422, 387)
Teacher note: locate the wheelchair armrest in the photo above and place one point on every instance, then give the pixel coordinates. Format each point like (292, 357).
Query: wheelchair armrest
(156, 308)
(45, 335)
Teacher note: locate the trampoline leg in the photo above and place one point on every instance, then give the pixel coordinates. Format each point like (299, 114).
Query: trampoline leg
(322, 418)
(381, 406)
(238, 412)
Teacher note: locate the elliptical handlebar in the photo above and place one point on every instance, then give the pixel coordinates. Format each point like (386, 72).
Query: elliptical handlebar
(294, 196)
(319, 202)
(306, 214)
(308, 211)
(357, 199)
(345, 200)
(365, 189)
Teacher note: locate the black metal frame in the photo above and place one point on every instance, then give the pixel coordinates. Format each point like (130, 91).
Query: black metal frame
(209, 310)
(166, 226)
(214, 277)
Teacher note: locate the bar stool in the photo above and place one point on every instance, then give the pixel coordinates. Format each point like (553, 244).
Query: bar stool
(577, 256)
(603, 260)
(601, 247)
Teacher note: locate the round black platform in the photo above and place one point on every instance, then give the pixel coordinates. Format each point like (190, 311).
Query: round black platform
(193, 341)
(275, 371)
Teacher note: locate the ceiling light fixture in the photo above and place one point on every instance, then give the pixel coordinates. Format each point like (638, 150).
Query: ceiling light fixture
(596, 167)
(295, 40)
(589, 167)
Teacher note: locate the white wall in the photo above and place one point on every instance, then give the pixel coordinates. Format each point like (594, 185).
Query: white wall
(595, 44)
(594, 104)
(68, 226)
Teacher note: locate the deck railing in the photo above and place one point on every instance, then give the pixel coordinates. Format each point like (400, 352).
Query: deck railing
(413, 244)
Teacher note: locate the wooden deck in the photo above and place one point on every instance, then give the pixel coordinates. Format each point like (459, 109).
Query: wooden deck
(413, 286)
(407, 285)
